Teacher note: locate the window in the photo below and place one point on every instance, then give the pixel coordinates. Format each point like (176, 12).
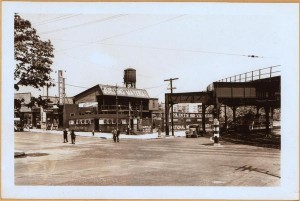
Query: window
(72, 114)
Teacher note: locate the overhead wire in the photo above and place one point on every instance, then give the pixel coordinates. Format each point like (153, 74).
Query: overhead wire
(56, 82)
(124, 33)
(64, 17)
(163, 85)
(111, 67)
(72, 85)
(170, 49)
(184, 50)
(47, 20)
(138, 29)
(84, 24)
(141, 28)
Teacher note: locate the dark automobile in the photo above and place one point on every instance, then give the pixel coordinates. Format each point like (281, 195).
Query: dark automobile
(193, 131)
(18, 128)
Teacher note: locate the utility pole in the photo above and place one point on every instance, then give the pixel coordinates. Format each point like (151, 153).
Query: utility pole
(129, 120)
(47, 85)
(141, 110)
(171, 83)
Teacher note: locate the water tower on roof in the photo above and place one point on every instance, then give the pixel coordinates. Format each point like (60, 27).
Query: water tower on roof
(130, 78)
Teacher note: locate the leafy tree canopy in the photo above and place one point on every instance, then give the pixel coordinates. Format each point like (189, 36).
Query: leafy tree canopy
(40, 101)
(32, 56)
(18, 104)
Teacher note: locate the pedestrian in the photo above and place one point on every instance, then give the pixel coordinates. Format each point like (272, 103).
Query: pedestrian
(114, 132)
(158, 132)
(65, 136)
(128, 129)
(251, 126)
(73, 136)
(118, 134)
(93, 132)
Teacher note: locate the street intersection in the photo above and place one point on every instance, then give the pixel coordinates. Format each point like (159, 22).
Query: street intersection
(134, 161)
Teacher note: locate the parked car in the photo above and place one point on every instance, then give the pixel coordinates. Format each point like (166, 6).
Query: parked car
(193, 131)
(18, 128)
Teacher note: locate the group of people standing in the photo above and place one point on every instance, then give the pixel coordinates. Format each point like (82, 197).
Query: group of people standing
(115, 132)
(73, 136)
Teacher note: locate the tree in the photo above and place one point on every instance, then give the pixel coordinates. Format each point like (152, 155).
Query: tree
(18, 104)
(32, 55)
(38, 102)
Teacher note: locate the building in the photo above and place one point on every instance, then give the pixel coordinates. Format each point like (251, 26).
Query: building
(105, 107)
(26, 115)
(50, 117)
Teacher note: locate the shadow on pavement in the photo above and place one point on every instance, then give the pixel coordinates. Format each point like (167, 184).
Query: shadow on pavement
(255, 139)
(30, 155)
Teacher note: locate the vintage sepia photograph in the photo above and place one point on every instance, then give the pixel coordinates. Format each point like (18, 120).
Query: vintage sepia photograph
(150, 100)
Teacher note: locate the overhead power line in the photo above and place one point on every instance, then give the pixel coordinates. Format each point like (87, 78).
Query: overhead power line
(84, 24)
(141, 28)
(163, 85)
(72, 85)
(167, 49)
(56, 19)
(184, 50)
(47, 20)
(76, 86)
(121, 34)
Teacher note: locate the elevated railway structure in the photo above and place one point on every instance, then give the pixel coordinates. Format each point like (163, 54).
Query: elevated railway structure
(260, 88)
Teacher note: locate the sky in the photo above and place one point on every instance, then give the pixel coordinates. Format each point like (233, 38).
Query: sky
(198, 47)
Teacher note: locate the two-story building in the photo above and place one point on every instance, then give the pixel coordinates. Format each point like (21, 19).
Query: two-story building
(105, 107)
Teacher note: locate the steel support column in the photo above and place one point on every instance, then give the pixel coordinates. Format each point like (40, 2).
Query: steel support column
(203, 117)
(234, 113)
(267, 110)
(167, 113)
(225, 108)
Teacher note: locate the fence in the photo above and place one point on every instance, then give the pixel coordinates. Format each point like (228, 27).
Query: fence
(262, 73)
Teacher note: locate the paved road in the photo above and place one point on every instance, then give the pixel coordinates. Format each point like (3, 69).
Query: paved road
(141, 162)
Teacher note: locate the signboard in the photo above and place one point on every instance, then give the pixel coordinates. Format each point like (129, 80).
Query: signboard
(88, 104)
(191, 115)
(122, 91)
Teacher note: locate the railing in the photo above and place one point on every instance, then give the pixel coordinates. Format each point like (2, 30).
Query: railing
(262, 73)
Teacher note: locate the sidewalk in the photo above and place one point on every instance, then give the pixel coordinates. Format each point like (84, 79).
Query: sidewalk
(109, 135)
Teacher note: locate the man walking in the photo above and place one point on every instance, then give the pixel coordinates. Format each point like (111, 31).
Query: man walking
(118, 133)
(73, 136)
(65, 136)
(114, 132)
